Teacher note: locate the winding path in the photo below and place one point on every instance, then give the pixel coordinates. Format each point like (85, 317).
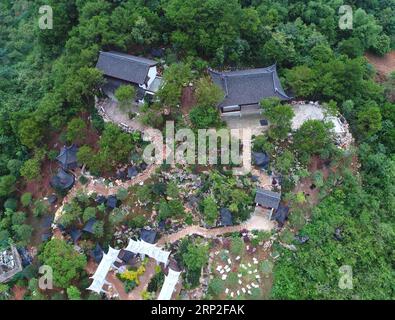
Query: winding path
(258, 220)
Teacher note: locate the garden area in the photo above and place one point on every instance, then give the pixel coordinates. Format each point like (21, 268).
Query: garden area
(241, 267)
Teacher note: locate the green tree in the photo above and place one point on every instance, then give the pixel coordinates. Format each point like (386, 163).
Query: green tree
(89, 213)
(125, 95)
(30, 133)
(207, 93)
(172, 190)
(205, 117)
(75, 129)
(84, 154)
(7, 185)
(175, 77)
(22, 233)
(313, 137)
(4, 291)
(302, 80)
(285, 162)
(237, 246)
(73, 293)
(98, 229)
(369, 121)
(280, 117)
(122, 194)
(216, 286)
(26, 199)
(64, 260)
(210, 210)
(31, 169)
(40, 207)
(195, 257)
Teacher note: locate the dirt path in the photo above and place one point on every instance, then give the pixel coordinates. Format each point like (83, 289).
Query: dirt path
(385, 64)
(107, 108)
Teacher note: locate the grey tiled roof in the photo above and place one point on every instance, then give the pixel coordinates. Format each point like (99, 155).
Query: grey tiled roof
(68, 157)
(62, 180)
(268, 199)
(250, 86)
(124, 66)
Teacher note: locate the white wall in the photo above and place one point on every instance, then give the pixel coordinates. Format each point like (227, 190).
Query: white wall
(152, 72)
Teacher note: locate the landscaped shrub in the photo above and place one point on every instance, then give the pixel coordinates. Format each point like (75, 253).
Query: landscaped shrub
(216, 286)
(156, 282)
(129, 285)
(287, 236)
(122, 194)
(11, 204)
(26, 199)
(266, 267)
(52, 155)
(232, 280)
(83, 180)
(89, 213)
(237, 246)
(297, 219)
(40, 208)
(138, 222)
(125, 95)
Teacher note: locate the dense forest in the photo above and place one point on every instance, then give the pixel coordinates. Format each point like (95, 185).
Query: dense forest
(47, 78)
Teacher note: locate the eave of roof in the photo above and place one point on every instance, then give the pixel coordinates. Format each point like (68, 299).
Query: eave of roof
(250, 86)
(124, 67)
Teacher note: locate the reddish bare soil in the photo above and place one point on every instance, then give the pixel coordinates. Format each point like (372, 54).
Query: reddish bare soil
(384, 65)
(18, 292)
(41, 187)
(188, 100)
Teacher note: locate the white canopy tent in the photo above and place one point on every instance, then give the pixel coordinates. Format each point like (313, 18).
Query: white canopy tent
(99, 278)
(169, 285)
(148, 249)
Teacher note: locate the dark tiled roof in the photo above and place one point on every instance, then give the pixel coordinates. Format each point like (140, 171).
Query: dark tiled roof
(112, 84)
(52, 199)
(148, 235)
(100, 199)
(250, 86)
(268, 199)
(62, 180)
(281, 215)
(75, 234)
(132, 172)
(111, 202)
(158, 52)
(121, 174)
(124, 67)
(225, 217)
(126, 256)
(261, 159)
(25, 257)
(89, 225)
(263, 122)
(68, 157)
(97, 253)
(47, 222)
